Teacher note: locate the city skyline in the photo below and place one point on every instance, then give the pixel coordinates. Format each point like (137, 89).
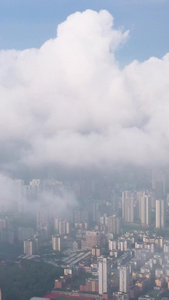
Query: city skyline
(84, 166)
(118, 239)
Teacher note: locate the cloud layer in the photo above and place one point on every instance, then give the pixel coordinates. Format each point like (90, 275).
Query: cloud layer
(69, 103)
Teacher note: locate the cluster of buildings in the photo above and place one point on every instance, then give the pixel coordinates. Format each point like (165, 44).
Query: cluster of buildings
(118, 239)
(137, 263)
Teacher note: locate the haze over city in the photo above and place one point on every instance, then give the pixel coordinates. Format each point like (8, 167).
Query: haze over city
(84, 134)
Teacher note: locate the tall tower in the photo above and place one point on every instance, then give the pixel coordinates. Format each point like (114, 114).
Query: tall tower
(160, 214)
(145, 210)
(158, 183)
(128, 206)
(124, 279)
(104, 275)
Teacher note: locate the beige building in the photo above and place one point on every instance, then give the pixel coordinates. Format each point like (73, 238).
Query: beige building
(124, 279)
(29, 247)
(145, 209)
(128, 206)
(61, 226)
(160, 214)
(114, 224)
(96, 251)
(104, 275)
(56, 243)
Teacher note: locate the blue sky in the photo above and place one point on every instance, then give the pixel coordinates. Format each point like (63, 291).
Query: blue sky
(29, 23)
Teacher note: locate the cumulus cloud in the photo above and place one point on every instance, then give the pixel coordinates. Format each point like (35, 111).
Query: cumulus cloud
(69, 103)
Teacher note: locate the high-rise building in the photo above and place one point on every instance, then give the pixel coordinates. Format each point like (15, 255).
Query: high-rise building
(96, 251)
(160, 214)
(103, 219)
(128, 206)
(80, 215)
(56, 243)
(61, 226)
(35, 185)
(112, 245)
(145, 209)
(158, 183)
(95, 211)
(42, 217)
(92, 238)
(104, 275)
(29, 247)
(113, 224)
(3, 223)
(115, 203)
(124, 279)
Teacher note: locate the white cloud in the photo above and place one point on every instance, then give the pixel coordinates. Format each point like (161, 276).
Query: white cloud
(70, 103)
